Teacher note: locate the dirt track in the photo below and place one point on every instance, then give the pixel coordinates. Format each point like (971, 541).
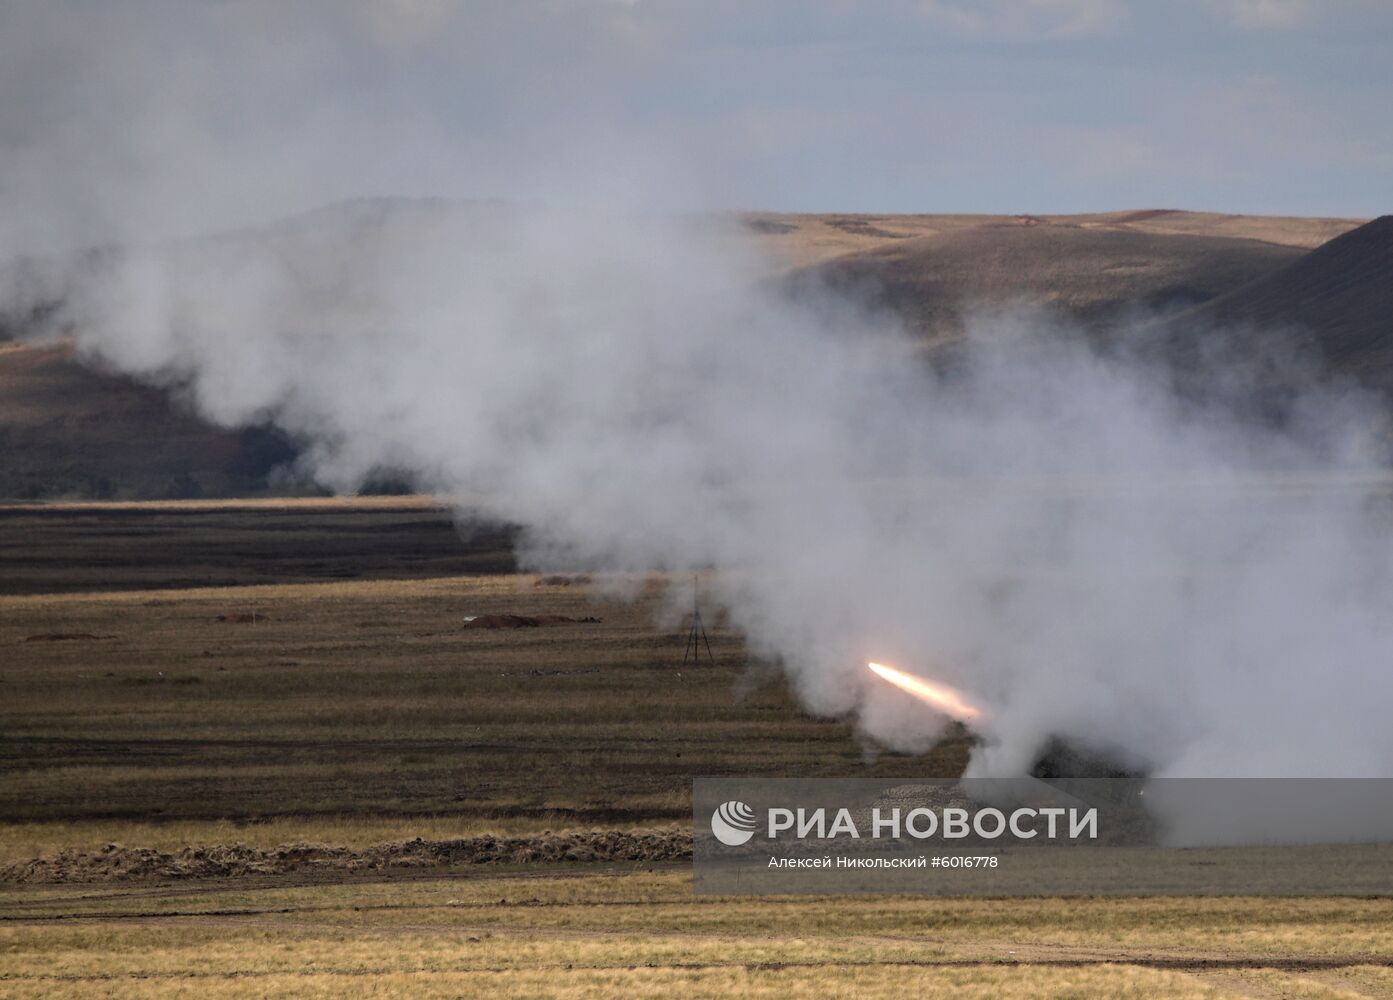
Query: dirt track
(117, 863)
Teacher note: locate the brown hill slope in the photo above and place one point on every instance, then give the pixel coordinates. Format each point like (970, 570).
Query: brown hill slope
(802, 240)
(1336, 301)
(69, 430)
(1090, 274)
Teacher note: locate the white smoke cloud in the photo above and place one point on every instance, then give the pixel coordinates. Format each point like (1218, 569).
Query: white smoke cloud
(1050, 530)
(1055, 532)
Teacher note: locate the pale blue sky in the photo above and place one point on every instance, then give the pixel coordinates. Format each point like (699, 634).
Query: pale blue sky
(179, 115)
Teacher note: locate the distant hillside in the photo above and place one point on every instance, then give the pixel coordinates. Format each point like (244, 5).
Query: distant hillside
(1089, 274)
(791, 241)
(1335, 302)
(69, 431)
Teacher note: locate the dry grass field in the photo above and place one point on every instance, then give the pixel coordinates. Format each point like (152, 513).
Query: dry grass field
(635, 931)
(351, 707)
(54, 548)
(358, 704)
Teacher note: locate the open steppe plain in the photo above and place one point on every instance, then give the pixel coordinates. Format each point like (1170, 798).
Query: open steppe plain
(265, 777)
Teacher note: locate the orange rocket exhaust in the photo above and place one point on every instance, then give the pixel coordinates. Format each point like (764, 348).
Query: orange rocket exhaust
(948, 701)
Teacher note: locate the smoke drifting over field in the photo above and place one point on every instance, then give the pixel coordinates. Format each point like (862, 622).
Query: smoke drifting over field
(1049, 530)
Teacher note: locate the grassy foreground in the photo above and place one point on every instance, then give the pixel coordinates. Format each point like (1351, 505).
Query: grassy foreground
(358, 710)
(635, 932)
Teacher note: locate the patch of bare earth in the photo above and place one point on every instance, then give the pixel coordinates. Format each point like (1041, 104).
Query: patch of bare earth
(115, 862)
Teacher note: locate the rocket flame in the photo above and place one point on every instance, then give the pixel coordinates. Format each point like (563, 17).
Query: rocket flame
(940, 696)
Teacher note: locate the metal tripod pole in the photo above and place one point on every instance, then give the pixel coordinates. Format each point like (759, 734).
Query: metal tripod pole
(698, 631)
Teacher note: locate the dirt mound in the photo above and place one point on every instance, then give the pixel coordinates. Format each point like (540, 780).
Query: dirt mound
(243, 618)
(117, 863)
(525, 621)
(61, 637)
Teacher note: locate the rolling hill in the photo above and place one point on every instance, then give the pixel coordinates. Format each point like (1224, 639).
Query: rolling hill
(792, 241)
(70, 430)
(1089, 274)
(1334, 304)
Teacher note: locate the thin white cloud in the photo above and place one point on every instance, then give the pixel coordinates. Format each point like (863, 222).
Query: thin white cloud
(1025, 20)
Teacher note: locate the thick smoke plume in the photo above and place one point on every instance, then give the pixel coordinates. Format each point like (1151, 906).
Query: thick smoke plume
(1054, 531)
